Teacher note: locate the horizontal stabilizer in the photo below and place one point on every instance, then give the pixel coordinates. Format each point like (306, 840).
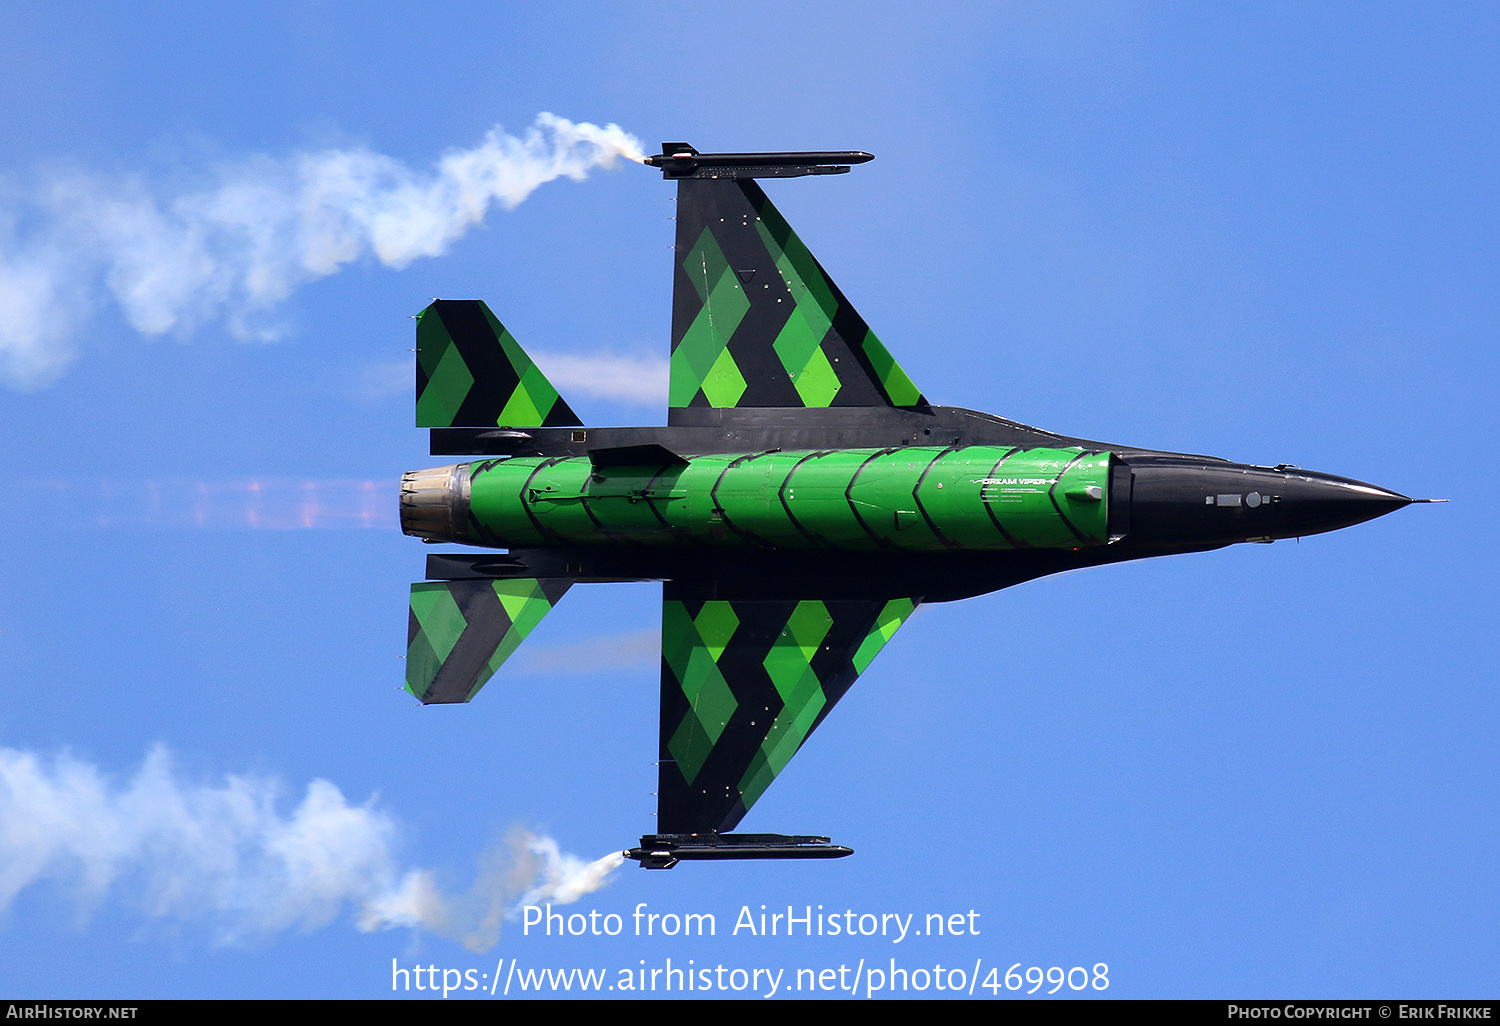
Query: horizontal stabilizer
(472, 373)
(460, 632)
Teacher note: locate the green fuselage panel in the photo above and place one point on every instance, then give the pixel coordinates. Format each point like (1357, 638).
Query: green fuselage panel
(912, 499)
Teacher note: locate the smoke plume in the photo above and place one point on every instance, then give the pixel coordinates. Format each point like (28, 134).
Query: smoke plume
(630, 380)
(617, 652)
(638, 381)
(224, 856)
(232, 249)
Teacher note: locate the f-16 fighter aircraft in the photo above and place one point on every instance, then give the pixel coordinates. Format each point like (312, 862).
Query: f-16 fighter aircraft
(803, 499)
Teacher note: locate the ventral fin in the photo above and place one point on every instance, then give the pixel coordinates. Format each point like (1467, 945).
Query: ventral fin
(648, 455)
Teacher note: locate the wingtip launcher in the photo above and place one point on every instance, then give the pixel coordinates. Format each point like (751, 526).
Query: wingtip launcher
(679, 160)
(663, 851)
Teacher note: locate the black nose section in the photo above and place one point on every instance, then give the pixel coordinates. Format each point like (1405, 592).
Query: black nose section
(1182, 500)
(1313, 503)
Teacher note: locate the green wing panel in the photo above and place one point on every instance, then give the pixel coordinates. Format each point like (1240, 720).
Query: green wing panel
(743, 685)
(460, 632)
(472, 373)
(757, 322)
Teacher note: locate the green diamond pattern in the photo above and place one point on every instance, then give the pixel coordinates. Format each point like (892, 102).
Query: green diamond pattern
(705, 264)
(701, 361)
(808, 626)
(818, 383)
(422, 665)
(440, 624)
(789, 664)
(887, 623)
(679, 635)
(729, 746)
(447, 387)
(432, 340)
(716, 624)
(897, 385)
(524, 603)
(442, 627)
(724, 384)
(520, 394)
(797, 341)
(442, 621)
(817, 305)
(690, 745)
(521, 409)
(799, 270)
(534, 397)
(691, 650)
(715, 703)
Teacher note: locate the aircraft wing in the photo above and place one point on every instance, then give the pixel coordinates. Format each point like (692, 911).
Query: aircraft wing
(757, 322)
(743, 685)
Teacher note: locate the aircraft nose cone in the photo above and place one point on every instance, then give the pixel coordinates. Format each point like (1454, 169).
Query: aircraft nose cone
(1195, 501)
(1313, 503)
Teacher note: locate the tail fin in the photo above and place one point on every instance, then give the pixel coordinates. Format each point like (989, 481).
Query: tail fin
(757, 322)
(460, 632)
(471, 373)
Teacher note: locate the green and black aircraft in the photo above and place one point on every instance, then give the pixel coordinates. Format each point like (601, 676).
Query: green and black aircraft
(802, 500)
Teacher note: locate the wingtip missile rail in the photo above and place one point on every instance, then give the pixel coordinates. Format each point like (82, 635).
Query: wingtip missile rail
(663, 851)
(679, 160)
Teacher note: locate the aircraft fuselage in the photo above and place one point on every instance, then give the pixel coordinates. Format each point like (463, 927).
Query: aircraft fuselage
(1002, 501)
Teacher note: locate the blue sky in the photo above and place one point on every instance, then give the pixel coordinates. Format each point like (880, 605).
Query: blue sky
(1264, 232)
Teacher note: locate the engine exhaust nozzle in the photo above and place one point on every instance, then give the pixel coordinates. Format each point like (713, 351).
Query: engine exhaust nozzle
(435, 502)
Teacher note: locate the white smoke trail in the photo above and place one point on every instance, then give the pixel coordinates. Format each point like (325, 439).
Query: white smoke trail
(561, 878)
(224, 856)
(618, 652)
(235, 248)
(531, 869)
(631, 379)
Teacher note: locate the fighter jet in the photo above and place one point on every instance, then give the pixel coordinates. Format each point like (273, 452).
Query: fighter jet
(802, 500)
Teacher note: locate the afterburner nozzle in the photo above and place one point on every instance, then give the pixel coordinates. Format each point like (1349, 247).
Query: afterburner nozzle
(435, 502)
